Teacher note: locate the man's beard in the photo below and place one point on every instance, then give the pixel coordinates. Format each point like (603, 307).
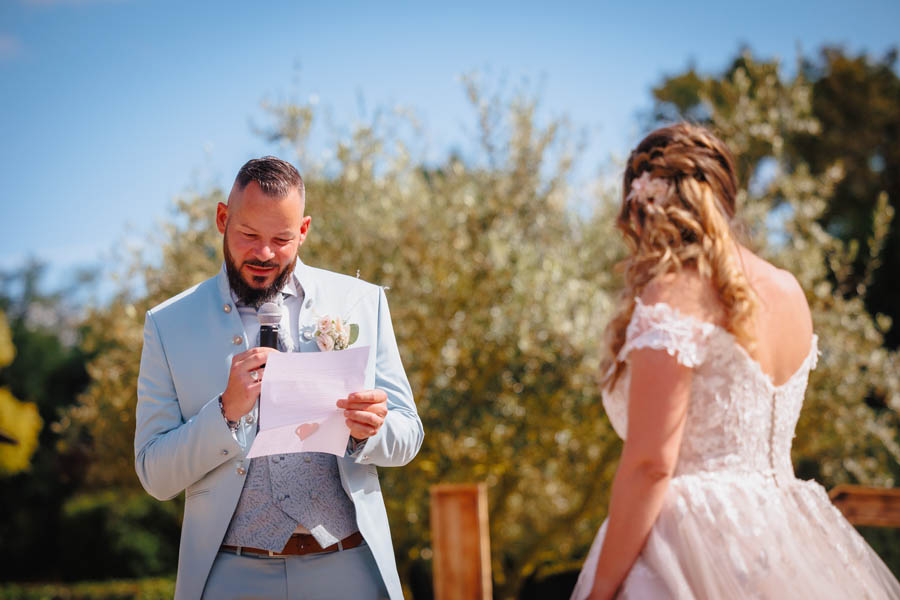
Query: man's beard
(248, 294)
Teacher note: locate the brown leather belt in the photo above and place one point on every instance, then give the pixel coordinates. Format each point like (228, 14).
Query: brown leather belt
(299, 544)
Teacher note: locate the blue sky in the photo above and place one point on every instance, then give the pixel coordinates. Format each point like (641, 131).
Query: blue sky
(110, 108)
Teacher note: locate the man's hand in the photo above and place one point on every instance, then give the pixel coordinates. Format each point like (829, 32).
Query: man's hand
(365, 412)
(244, 381)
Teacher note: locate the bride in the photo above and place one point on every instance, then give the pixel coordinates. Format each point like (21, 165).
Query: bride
(711, 350)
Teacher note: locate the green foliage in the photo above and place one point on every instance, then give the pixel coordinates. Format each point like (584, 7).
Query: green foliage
(140, 589)
(857, 101)
(48, 372)
(101, 425)
(498, 296)
(135, 535)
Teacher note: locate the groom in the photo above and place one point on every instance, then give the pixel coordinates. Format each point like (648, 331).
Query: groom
(279, 526)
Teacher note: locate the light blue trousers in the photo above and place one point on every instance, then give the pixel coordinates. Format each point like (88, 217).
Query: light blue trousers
(346, 575)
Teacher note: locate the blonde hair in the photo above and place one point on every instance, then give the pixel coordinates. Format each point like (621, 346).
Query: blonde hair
(679, 194)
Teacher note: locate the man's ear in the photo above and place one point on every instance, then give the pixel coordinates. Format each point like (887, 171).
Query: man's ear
(304, 229)
(221, 217)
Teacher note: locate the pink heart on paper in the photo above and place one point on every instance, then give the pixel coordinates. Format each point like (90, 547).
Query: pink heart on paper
(306, 430)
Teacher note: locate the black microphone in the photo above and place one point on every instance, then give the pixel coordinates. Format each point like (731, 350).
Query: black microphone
(269, 315)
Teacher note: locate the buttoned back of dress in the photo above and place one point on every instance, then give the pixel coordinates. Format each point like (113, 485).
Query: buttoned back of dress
(737, 419)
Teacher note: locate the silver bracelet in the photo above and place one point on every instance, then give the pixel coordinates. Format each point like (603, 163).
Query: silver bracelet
(232, 425)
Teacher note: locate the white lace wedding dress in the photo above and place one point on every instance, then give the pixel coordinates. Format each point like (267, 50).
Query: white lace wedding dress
(735, 522)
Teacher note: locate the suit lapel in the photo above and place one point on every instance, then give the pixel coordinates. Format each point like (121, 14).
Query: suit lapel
(309, 309)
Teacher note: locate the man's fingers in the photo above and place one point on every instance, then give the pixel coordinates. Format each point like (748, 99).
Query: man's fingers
(363, 400)
(241, 356)
(363, 418)
(375, 409)
(378, 409)
(364, 412)
(361, 432)
(368, 396)
(252, 359)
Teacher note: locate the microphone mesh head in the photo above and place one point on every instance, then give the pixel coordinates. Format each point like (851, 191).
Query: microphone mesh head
(269, 314)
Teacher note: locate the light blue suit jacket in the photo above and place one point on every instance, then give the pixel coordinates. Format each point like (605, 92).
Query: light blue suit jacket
(181, 441)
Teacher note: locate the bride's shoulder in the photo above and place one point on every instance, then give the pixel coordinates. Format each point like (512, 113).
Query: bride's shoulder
(688, 292)
(782, 300)
(774, 284)
(781, 282)
(678, 313)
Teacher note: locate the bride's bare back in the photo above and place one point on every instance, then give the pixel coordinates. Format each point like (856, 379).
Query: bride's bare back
(782, 322)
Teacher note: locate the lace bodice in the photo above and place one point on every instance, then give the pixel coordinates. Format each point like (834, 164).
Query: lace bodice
(737, 419)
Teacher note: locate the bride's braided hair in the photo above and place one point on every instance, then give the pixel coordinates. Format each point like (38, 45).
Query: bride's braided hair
(679, 195)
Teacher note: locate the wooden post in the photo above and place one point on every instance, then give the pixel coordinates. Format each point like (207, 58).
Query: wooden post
(878, 507)
(461, 542)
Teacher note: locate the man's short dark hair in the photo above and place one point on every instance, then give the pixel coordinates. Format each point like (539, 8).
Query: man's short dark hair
(274, 176)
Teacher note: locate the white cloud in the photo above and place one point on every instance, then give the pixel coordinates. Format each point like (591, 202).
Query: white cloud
(10, 47)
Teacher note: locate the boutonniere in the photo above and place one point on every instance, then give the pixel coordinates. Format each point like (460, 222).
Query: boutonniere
(332, 333)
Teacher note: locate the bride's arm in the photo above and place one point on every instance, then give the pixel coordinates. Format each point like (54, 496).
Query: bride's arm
(657, 405)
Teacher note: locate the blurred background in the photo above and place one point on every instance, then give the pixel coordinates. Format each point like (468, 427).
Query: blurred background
(467, 155)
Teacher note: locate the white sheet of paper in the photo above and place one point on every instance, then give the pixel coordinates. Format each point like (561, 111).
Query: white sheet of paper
(297, 403)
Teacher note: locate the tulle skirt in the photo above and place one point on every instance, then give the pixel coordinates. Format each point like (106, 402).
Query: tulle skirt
(730, 535)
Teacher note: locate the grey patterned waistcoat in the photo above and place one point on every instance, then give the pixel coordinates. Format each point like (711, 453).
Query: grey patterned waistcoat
(287, 490)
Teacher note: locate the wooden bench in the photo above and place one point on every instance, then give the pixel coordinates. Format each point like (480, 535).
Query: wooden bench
(868, 506)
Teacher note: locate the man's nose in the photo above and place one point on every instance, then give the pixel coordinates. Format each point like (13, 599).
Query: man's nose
(263, 251)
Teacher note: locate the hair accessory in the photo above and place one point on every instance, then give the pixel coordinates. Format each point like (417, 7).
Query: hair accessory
(646, 189)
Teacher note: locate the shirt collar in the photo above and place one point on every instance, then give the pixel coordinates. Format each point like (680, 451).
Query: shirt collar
(290, 288)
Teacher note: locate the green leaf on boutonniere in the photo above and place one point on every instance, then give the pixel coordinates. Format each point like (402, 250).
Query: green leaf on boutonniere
(354, 333)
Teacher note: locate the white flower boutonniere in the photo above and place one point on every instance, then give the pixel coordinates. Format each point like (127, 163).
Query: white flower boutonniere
(332, 333)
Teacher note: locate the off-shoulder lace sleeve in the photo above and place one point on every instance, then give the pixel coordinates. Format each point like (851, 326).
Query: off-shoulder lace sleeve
(662, 327)
(814, 352)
